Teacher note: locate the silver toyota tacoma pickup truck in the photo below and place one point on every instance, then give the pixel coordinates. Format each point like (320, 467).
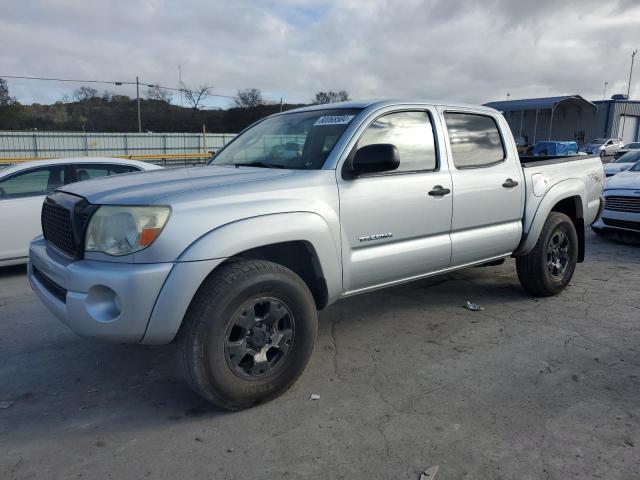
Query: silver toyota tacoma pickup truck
(233, 260)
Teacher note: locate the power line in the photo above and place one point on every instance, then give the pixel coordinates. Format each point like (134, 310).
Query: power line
(115, 82)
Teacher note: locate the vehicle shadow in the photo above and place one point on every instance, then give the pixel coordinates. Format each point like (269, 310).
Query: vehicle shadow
(13, 271)
(64, 382)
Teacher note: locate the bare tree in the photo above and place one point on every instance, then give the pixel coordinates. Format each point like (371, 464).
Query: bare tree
(195, 97)
(156, 92)
(5, 98)
(249, 97)
(85, 93)
(331, 97)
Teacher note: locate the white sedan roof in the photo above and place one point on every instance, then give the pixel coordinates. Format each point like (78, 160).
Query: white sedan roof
(77, 160)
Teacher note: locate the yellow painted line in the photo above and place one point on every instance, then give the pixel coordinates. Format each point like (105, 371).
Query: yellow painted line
(166, 156)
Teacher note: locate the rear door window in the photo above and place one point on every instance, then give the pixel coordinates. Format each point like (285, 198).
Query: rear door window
(475, 140)
(90, 171)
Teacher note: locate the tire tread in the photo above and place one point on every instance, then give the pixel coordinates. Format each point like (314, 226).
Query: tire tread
(530, 269)
(215, 286)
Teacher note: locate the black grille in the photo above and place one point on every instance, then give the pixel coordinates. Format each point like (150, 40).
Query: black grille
(57, 228)
(623, 204)
(55, 289)
(622, 224)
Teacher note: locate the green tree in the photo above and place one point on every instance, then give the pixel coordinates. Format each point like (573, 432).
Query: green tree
(5, 98)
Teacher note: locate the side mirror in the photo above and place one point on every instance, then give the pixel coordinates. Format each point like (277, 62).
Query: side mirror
(375, 158)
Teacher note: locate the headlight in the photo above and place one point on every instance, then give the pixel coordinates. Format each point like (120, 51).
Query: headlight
(124, 230)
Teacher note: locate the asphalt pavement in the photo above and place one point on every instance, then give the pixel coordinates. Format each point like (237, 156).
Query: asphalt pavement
(407, 379)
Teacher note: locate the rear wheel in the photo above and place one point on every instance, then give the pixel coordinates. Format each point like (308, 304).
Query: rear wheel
(248, 333)
(548, 268)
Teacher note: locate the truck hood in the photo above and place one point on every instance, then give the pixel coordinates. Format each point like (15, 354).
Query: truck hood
(623, 180)
(145, 188)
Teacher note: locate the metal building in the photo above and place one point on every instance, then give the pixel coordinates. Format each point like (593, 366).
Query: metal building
(571, 117)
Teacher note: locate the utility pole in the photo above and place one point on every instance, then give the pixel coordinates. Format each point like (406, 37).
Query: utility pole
(604, 95)
(180, 84)
(281, 104)
(626, 104)
(138, 101)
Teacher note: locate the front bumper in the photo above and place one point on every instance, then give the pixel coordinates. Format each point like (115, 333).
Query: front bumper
(113, 301)
(613, 220)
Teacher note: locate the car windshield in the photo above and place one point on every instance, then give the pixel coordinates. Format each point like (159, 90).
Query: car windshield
(628, 157)
(301, 140)
(632, 146)
(635, 168)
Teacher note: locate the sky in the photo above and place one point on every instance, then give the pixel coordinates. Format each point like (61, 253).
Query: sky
(455, 50)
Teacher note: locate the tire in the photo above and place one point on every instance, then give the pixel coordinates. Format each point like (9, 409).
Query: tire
(544, 271)
(603, 153)
(248, 333)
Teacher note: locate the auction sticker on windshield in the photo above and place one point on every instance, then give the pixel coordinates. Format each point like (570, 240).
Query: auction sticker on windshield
(334, 120)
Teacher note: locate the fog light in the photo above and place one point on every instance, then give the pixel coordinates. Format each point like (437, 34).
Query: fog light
(103, 304)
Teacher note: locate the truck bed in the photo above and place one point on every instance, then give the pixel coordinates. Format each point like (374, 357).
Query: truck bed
(534, 160)
(578, 173)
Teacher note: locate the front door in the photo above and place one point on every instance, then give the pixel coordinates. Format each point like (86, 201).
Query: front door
(392, 227)
(21, 197)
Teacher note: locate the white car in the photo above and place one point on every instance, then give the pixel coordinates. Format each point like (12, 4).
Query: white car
(622, 163)
(602, 146)
(629, 147)
(24, 186)
(621, 202)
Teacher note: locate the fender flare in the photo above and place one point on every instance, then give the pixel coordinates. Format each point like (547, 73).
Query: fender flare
(210, 250)
(572, 187)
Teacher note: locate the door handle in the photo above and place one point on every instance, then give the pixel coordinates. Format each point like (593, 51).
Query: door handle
(510, 183)
(439, 191)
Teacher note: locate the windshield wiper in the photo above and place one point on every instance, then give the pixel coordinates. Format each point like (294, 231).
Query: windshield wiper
(259, 165)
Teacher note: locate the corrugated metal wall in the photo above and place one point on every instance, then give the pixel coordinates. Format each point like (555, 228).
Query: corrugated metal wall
(579, 124)
(76, 144)
(617, 111)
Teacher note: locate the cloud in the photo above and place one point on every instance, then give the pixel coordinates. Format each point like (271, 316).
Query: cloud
(455, 50)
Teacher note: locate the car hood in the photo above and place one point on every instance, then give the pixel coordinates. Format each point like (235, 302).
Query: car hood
(624, 180)
(145, 188)
(617, 167)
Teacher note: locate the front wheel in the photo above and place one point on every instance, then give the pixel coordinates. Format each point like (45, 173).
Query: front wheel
(548, 268)
(248, 333)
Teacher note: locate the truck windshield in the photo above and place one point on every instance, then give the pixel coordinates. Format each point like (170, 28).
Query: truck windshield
(300, 141)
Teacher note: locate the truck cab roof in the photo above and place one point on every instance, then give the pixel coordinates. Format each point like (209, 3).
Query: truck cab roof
(380, 103)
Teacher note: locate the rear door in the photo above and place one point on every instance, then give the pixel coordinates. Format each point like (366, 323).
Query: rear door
(488, 188)
(21, 197)
(392, 228)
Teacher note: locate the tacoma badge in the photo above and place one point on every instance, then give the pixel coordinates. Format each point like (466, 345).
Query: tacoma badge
(376, 236)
